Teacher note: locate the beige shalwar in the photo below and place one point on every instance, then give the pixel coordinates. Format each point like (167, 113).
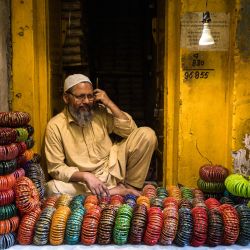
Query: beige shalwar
(70, 148)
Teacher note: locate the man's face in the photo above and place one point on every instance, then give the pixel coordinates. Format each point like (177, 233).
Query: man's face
(80, 100)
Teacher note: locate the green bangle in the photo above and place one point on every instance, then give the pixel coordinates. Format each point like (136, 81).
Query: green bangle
(74, 224)
(8, 167)
(7, 211)
(22, 134)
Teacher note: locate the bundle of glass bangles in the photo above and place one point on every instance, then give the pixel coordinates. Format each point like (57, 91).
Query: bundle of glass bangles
(88, 220)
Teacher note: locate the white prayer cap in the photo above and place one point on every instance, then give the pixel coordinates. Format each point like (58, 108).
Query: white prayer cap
(74, 79)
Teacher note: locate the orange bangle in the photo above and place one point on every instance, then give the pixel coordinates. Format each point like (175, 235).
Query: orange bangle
(27, 227)
(143, 200)
(9, 225)
(7, 182)
(29, 153)
(91, 199)
(27, 196)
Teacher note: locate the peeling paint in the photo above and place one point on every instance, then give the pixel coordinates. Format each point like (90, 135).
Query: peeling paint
(18, 95)
(242, 158)
(243, 31)
(22, 29)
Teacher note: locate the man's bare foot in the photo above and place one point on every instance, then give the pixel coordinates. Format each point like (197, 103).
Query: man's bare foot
(121, 189)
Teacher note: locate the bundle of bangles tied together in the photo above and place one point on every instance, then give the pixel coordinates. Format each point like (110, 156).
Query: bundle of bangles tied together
(215, 213)
(17, 161)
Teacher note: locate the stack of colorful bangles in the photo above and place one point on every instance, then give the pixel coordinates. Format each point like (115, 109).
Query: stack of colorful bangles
(13, 134)
(15, 141)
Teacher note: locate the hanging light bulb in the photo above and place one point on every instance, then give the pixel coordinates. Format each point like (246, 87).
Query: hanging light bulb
(206, 36)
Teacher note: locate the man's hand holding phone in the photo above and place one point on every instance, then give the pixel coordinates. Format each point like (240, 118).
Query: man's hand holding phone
(101, 97)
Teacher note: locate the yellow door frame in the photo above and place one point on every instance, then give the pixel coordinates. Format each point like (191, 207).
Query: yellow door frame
(30, 88)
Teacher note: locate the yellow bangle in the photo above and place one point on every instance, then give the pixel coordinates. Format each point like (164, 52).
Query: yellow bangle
(58, 225)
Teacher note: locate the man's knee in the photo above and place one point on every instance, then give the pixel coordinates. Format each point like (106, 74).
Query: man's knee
(148, 136)
(51, 188)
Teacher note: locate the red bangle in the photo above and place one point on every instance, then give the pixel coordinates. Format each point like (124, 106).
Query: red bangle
(231, 224)
(50, 201)
(7, 136)
(200, 226)
(7, 197)
(170, 223)
(14, 119)
(154, 226)
(8, 152)
(90, 225)
(150, 191)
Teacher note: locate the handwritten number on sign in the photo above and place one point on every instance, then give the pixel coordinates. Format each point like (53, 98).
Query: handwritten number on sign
(188, 75)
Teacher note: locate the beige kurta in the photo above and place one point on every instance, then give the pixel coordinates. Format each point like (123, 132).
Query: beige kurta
(70, 148)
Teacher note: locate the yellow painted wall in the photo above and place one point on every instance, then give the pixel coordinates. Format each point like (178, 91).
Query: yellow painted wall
(241, 93)
(205, 115)
(210, 115)
(30, 89)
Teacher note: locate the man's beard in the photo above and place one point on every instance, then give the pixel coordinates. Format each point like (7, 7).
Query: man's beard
(81, 116)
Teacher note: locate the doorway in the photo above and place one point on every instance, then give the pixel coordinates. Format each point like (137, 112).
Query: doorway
(112, 42)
